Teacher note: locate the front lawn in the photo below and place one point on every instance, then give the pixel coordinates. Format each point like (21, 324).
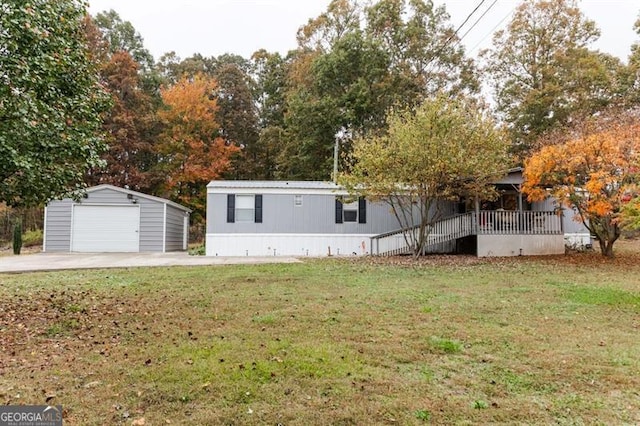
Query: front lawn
(447, 340)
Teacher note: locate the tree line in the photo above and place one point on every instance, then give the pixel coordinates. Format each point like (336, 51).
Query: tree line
(84, 102)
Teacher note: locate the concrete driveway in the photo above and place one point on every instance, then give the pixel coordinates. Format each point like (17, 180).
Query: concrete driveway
(59, 261)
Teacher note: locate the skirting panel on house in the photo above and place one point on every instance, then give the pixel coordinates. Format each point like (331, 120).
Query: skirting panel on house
(520, 245)
(287, 245)
(578, 241)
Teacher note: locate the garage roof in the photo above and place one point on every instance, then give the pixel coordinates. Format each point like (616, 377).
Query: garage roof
(137, 194)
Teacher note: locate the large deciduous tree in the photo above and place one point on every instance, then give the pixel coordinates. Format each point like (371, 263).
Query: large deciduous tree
(425, 55)
(441, 151)
(50, 101)
(345, 92)
(121, 36)
(131, 125)
(354, 63)
(237, 113)
(594, 168)
(130, 128)
(191, 151)
(632, 74)
(543, 71)
(270, 72)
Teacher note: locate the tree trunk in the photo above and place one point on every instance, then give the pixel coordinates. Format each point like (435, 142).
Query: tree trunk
(608, 250)
(607, 232)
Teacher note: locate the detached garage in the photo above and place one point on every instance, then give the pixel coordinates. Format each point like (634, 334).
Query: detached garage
(112, 219)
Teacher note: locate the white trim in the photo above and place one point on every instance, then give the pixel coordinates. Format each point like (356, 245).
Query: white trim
(270, 191)
(73, 209)
(137, 194)
(106, 204)
(290, 235)
(185, 232)
(44, 231)
(164, 229)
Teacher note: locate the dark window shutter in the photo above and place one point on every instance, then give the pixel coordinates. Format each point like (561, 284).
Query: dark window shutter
(231, 208)
(258, 208)
(362, 210)
(338, 209)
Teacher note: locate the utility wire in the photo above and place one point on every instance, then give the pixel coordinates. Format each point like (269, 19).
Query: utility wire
(455, 33)
(491, 31)
(476, 22)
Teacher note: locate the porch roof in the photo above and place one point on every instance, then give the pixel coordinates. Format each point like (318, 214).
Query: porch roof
(513, 177)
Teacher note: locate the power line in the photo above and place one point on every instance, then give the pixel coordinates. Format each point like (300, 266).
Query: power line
(455, 33)
(477, 20)
(491, 31)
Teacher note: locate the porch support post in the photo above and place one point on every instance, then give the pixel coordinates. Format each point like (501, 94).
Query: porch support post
(477, 209)
(520, 197)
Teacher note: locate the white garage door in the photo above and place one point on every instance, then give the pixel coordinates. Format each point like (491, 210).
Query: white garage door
(105, 229)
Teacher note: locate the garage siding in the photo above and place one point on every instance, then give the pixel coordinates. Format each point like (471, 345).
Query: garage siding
(175, 229)
(151, 228)
(58, 226)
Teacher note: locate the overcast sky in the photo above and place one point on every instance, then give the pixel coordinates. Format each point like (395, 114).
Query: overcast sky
(214, 27)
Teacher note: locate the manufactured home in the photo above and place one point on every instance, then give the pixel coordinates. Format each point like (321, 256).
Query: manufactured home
(270, 218)
(299, 218)
(107, 218)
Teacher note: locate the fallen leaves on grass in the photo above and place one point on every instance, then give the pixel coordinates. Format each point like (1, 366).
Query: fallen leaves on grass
(39, 328)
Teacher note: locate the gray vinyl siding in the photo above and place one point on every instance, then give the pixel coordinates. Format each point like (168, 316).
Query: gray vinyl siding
(175, 229)
(569, 224)
(58, 235)
(315, 216)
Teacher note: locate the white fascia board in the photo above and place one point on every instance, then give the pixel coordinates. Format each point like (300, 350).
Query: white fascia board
(236, 234)
(137, 194)
(280, 191)
(44, 231)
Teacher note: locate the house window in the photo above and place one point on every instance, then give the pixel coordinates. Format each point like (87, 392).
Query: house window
(355, 211)
(297, 200)
(350, 211)
(244, 208)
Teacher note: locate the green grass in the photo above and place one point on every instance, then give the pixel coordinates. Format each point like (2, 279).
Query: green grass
(604, 296)
(515, 341)
(446, 346)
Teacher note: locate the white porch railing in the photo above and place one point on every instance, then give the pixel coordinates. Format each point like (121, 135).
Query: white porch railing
(503, 222)
(442, 231)
(486, 222)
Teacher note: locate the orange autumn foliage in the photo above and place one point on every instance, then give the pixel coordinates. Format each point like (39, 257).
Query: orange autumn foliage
(192, 153)
(594, 171)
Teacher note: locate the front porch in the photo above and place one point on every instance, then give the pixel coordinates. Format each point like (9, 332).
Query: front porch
(490, 232)
(506, 226)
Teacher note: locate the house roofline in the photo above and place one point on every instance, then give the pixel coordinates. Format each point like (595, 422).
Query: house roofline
(274, 184)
